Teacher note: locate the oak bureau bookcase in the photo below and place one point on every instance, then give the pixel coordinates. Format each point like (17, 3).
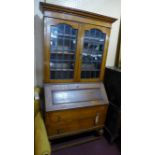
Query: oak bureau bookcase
(75, 51)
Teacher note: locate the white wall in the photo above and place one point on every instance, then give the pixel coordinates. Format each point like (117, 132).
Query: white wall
(38, 47)
(105, 7)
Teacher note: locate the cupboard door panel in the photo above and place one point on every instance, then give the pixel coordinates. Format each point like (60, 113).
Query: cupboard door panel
(93, 52)
(61, 50)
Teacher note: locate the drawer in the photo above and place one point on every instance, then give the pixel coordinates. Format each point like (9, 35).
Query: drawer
(76, 119)
(72, 126)
(74, 114)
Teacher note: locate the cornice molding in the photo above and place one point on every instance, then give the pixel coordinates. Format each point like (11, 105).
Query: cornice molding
(77, 12)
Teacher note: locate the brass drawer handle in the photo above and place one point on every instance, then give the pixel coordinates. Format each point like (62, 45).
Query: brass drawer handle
(97, 119)
(59, 131)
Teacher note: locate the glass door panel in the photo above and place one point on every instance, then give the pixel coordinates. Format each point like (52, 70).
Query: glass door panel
(63, 40)
(93, 47)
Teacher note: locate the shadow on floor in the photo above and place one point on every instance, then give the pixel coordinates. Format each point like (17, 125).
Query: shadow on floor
(97, 147)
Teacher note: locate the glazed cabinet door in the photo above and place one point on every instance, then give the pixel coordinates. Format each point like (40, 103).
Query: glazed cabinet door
(93, 52)
(60, 46)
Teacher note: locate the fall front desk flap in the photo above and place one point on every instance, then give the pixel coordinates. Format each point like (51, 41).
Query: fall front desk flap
(64, 96)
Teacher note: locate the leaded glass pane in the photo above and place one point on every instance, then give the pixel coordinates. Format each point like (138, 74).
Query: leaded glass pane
(63, 40)
(92, 53)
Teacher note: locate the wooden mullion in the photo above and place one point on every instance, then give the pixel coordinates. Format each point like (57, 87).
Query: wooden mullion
(79, 46)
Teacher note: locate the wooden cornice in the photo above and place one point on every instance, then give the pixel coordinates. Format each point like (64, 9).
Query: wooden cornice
(76, 12)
